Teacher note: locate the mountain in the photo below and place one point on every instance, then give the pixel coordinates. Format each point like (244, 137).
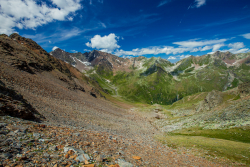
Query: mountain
(86, 61)
(156, 80)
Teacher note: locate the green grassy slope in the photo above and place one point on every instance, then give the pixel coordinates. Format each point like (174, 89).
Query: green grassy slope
(153, 84)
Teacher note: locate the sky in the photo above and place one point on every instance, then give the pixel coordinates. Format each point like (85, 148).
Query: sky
(170, 29)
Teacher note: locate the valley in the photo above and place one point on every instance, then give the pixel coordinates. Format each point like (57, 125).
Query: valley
(58, 106)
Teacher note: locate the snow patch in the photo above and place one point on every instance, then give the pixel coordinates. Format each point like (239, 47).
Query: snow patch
(84, 62)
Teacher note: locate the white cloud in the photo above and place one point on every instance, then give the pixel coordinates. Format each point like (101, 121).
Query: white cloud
(29, 14)
(106, 43)
(54, 48)
(171, 58)
(184, 56)
(183, 46)
(236, 45)
(195, 50)
(152, 50)
(106, 50)
(206, 48)
(193, 43)
(247, 36)
(87, 50)
(239, 51)
(178, 57)
(103, 25)
(163, 2)
(66, 34)
(199, 3)
(217, 46)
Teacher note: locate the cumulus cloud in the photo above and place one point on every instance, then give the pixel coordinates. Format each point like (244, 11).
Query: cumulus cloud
(247, 36)
(30, 14)
(199, 3)
(54, 48)
(236, 45)
(105, 43)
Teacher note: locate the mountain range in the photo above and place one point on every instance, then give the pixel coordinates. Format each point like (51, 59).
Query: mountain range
(156, 80)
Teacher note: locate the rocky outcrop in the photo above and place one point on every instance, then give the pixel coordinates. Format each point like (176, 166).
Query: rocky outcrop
(244, 88)
(212, 100)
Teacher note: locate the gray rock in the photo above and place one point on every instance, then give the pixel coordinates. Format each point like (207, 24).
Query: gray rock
(3, 132)
(19, 155)
(2, 125)
(100, 158)
(46, 155)
(44, 140)
(53, 148)
(82, 157)
(55, 156)
(5, 155)
(123, 163)
(36, 135)
(16, 131)
(11, 133)
(78, 151)
(76, 134)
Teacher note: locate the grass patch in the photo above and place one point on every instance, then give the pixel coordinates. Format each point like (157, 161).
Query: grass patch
(233, 134)
(235, 151)
(188, 102)
(237, 97)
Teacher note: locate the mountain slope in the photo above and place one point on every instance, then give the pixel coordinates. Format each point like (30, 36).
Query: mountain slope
(60, 93)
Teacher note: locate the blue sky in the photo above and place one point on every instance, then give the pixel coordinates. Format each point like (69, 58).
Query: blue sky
(171, 29)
